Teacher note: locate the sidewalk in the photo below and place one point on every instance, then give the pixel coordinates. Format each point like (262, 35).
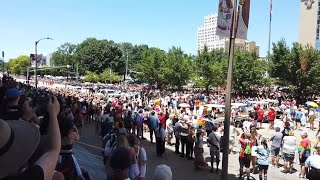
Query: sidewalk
(90, 156)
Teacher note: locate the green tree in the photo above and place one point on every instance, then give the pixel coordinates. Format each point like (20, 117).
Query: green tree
(109, 76)
(177, 68)
(91, 77)
(19, 65)
(298, 68)
(211, 67)
(248, 72)
(151, 67)
(97, 55)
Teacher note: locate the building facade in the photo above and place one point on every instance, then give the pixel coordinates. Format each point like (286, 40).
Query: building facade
(207, 36)
(309, 23)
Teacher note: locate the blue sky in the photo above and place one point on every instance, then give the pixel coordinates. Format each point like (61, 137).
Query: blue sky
(159, 23)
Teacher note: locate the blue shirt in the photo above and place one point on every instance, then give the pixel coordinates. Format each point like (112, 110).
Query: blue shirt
(263, 155)
(154, 122)
(299, 115)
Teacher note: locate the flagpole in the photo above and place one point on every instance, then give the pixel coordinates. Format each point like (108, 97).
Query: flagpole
(226, 132)
(269, 45)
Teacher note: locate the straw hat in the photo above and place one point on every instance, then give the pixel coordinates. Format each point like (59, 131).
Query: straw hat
(18, 141)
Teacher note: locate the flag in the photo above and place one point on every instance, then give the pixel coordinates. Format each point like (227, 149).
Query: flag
(270, 9)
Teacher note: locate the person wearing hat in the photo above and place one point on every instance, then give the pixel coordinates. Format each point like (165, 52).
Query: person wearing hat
(304, 150)
(289, 148)
(12, 109)
(162, 172)
(16, 150)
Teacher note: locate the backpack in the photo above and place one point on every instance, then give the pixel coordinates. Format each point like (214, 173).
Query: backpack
(247, 150)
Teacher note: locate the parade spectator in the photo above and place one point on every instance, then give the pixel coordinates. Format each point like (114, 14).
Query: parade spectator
(190, 142)
(162, 119)
(142, 159)
(184, 132)
(271, 117)
(128, 121)
(78, 120)
(232, 136)
(245, 153)
(199, 162)
(260, 114)
(255, 137)
(214, 139)
(14, 134)
(120, 162)
(169, 129)
(304, 150)
(177, 135)
(312, 117)
(276, 139)
(313, 163)
(289, 148)
(160, 140)
(153, 123)
(122, 129)
(12, 110)
(162, 172)
(263, 161)
(134, 169)
(298, 117)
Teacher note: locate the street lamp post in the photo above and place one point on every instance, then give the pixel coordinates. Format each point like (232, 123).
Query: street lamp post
(36, 56)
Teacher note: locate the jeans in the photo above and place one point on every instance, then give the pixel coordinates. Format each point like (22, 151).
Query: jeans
(183, 144)
(151, 134)
(189, 148)
(177, 144)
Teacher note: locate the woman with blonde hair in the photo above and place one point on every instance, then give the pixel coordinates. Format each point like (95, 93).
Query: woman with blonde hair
(255, 137)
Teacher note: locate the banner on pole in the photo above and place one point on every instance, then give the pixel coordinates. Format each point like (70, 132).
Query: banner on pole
(225, 14)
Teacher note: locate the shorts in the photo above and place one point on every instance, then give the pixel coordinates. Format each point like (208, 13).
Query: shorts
(245, 161)
(215, 154)
(303, 159)
(275, 151)
(288, 157)
(298, 120)
(191, 108)
(263, 167)
(271, 121)
(312, 118)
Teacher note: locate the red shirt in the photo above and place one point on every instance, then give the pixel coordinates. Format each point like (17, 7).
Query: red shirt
(162, 120)
(244, 143)
(260, 114)
(271, 115)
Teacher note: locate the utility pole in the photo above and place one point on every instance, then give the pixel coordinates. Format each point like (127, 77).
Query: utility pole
(36, 55)
(3, 64)
(126, 76)
(110, 76)
(225, 144)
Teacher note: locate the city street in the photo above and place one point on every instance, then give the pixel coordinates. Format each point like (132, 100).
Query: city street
(88, 153)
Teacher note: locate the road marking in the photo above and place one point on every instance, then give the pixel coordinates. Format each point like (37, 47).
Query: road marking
(90, 145)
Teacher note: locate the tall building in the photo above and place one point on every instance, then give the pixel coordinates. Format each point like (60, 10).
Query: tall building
(309, 23)
(207, 36)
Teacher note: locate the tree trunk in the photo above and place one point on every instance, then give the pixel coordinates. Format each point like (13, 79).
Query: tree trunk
(207, 90)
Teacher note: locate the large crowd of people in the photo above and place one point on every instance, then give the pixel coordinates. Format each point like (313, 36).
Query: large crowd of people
(46, 122)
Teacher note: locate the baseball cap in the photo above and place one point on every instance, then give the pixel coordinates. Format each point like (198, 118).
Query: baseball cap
(162, 172)
(12, 93)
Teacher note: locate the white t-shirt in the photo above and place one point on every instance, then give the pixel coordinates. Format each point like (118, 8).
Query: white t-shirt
(289, 144)
(143, 168)
(169, 126)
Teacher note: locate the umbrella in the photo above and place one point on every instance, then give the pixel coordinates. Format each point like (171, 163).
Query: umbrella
(312, 104)
(184, 105)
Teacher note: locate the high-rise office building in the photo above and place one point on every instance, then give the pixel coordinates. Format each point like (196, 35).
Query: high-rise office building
(310, 23)
(207, 36)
